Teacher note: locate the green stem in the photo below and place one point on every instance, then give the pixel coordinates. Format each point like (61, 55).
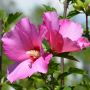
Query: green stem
(62, 59)
(52, 79)
(65, 8)
(62, 71)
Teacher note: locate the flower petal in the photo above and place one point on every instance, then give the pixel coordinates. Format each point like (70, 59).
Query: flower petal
(18, 71)
(83, 42)
(70, 29)
(41, 65)
(70, 46)
(26, 68)
(55, 41)
(51, 20)
(53, 37)
(13, 46)
(23, 37)
(42, 31)
(31, 31)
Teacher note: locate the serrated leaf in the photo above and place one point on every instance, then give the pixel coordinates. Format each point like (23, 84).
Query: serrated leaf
(11, 19)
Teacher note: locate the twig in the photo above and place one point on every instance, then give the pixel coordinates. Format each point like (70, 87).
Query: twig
(87, 29)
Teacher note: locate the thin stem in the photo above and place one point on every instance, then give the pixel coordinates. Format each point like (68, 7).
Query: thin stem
(52, 79)
(87, 24)
(65, 8)
(87, 29)
(62, 71)
(62, 59)
(0, 50)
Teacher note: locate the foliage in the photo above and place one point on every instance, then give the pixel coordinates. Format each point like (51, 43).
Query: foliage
(51, 80)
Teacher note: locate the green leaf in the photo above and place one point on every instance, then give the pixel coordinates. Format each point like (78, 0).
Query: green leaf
(76, 70)
(48, 8)
(16, 86)
(66, 55)
(11, 19)
(46, 45)
(71, 71)
(61, 17)
(7, 87)
(80, 5)
(67, 88)
(72, 13)
(3, 15)
(63, 75)
(85, 82)
(53, 66)
(80, 88)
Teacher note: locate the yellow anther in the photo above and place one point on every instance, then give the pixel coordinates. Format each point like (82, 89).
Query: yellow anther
(33, 53)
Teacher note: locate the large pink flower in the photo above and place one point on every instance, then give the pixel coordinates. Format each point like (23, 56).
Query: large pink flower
(63, 35)
(23, 44)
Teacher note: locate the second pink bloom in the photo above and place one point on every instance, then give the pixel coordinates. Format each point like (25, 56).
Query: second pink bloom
(63, 35)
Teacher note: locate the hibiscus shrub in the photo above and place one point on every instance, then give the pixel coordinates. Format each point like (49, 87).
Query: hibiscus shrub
(44, 57)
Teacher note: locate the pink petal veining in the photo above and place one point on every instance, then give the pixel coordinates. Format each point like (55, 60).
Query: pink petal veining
(22, 38)
(70, 29)
(26, 68)
(63, 35)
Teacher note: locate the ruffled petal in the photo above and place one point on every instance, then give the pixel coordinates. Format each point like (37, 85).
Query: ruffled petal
(51, 20)
(53, 37)
(83, 42)
(23, 37)
(51, 27)
(70, 46)
(14, 47)
(27, 68)
(30, 30)
(70, 29)
(41, 65)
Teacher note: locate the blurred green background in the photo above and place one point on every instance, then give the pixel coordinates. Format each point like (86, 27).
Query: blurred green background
(34, 10)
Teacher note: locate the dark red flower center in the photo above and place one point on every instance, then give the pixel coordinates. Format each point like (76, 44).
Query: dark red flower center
(34, 54)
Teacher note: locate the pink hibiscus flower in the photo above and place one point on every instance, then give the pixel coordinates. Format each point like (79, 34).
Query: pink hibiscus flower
(63, 35)
(23, 44)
